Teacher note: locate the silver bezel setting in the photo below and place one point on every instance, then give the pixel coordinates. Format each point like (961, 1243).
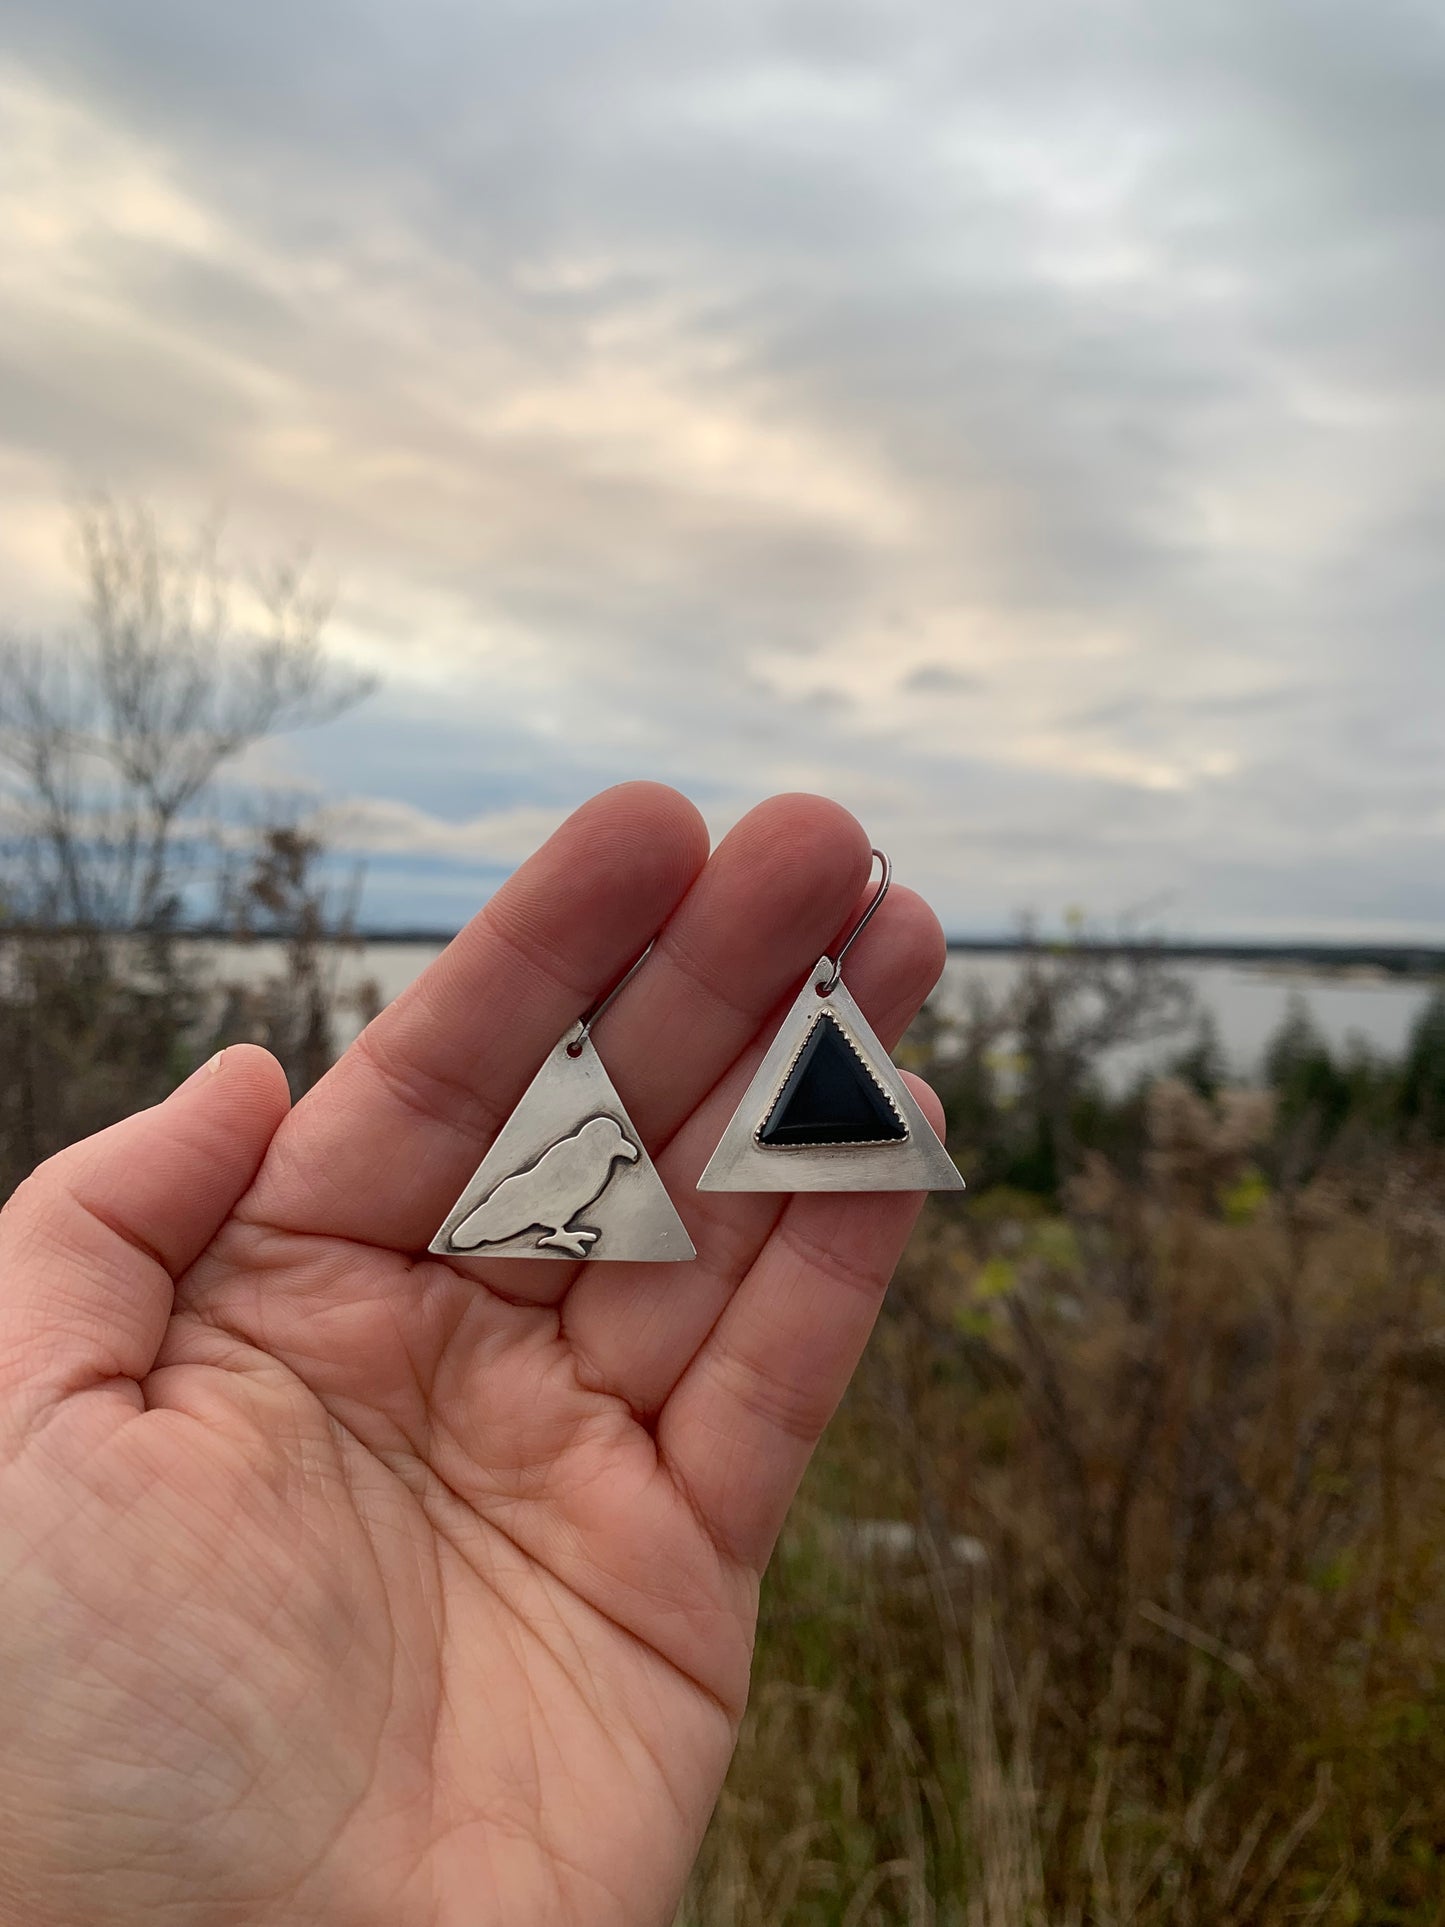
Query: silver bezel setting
(918, 1162)
(826, 1014)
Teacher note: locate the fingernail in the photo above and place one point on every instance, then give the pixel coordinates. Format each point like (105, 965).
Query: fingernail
(208, 1069)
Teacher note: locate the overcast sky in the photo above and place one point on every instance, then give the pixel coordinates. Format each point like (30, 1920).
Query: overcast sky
(1024, 420)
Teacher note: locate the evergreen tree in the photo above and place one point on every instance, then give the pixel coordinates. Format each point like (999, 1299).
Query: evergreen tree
(1422, 1082)
(1314, 1091)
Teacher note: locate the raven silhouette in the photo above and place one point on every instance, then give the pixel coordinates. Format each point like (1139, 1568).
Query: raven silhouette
(569, 1175)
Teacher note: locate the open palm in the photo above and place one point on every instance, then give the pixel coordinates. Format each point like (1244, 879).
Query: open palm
(342, 1584)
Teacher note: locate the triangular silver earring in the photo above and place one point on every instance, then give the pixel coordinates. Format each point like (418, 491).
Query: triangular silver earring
(827, 1110)
(567, 1175)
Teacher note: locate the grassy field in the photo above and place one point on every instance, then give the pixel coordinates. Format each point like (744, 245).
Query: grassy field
(1155, 1634)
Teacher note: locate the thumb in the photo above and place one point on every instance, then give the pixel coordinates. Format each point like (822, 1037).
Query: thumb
(92, 1241)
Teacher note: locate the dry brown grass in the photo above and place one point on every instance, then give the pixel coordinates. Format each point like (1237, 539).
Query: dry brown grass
(1200, 1678)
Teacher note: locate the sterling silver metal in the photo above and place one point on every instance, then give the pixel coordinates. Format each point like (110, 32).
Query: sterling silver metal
(606, 1003)
(551, 1194)
(915, 1162)
(835, 974)
(740, 1163)
(567, 1176)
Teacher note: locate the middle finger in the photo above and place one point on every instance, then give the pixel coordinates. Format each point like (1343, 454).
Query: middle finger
(775, 892)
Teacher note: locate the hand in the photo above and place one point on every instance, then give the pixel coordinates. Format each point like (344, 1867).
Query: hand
(347, 1586)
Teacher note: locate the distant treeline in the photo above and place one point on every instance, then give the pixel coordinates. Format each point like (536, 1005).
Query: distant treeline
(1027, 1102)
(1395, 960)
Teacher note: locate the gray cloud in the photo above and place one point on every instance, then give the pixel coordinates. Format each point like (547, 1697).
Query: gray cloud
(942, 679)
(1023, 421)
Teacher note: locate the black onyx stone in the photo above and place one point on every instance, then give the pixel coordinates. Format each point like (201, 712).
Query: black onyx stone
(831, 1097)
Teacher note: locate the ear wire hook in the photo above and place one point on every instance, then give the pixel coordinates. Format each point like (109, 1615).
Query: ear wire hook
(574, 1049)
(831, 983)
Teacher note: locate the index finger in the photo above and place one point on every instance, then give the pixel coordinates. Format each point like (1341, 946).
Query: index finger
(401, 1116)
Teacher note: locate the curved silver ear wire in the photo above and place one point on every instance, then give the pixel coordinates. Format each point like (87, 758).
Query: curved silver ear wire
(827, 1109)
(584, 1026)
(835, 976)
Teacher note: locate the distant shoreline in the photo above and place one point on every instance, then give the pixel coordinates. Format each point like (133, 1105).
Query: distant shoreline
(1408, 959)
(1391, 959)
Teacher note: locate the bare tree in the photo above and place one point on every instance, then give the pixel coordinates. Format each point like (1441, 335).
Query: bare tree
(281, 891)
(115, 834)
(113, 735)
(1017, 1066)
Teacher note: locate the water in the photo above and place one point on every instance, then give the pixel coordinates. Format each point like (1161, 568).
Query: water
(1247, 1001)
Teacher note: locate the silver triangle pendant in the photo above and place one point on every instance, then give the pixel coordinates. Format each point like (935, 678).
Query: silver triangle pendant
(828, 1110)
(567, 1177)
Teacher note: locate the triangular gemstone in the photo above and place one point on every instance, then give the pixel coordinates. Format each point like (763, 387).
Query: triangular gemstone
(905, 1155)
(830, 1096)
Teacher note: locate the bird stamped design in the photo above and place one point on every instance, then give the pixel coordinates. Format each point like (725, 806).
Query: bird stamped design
(549, 1193)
